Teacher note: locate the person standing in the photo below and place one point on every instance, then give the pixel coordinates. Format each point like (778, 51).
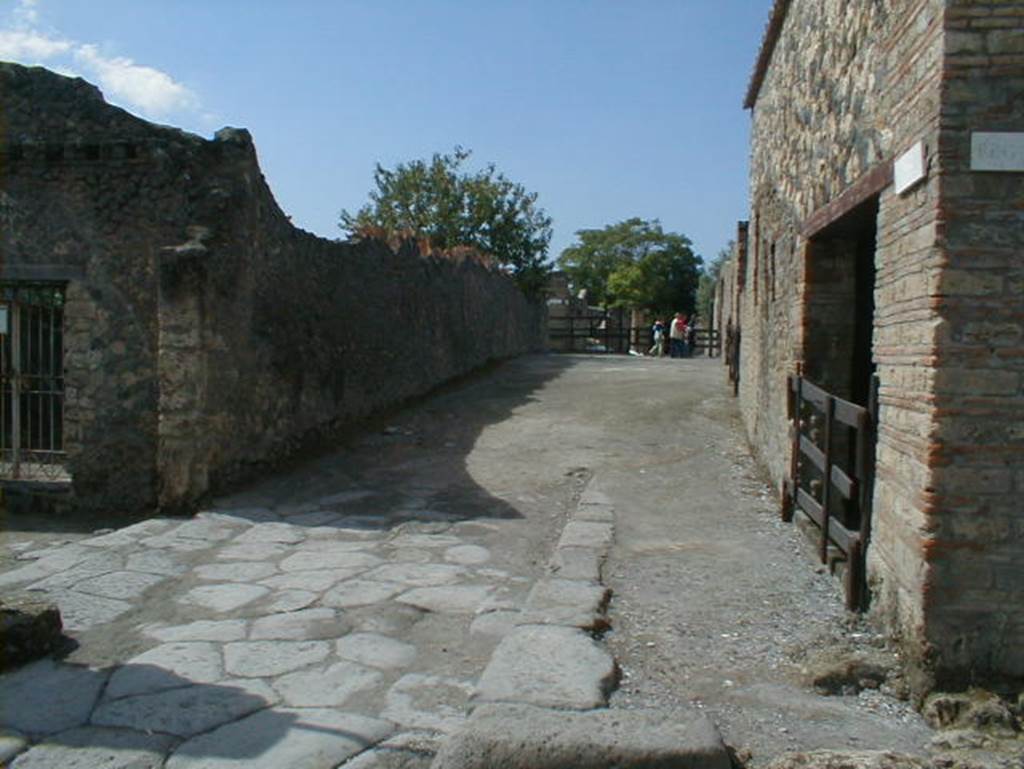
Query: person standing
(657, 335)
(677, 336)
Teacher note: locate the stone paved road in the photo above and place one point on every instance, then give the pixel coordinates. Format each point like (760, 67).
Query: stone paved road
(349, 603)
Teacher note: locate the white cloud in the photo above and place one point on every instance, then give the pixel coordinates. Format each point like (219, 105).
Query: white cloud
(149, 89)
(26, 14)
(30, 47)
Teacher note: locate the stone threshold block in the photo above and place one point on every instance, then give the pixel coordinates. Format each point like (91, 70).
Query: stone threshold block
(549, 666)
(570, 602)
(587, 534)
(526, 737)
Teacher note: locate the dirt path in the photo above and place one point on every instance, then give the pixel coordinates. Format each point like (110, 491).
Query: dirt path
(717, 602)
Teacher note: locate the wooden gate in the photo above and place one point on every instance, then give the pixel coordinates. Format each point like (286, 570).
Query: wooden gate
(831, 476)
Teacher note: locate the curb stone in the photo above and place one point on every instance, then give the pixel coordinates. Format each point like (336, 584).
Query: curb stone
(526, 737)
(541, 702)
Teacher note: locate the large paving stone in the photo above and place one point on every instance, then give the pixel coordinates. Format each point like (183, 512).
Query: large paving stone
(550, 666)
(129, 535)
(122, 585)
(273, 532)
(282, 738)
(327, 687)
(239, 571)
(305, 624)
(289, 600)
(574, 603)
(417, 574)
(201, 630)
(316, 580)
(222, 598)
(324, 539)
(408, 750)
(156, 562)
(94, 566)
(46, 697)
(189, 710)
(93, 747)
(455, 599)
(432, 703)
(587, 534)
(81, 611)
(525, 737)
(425, 540)
(165, 667)
(206, 529)
(467, 555)
(375, 650)
(272, 658)
(253, 551)
(177, 544)
(596, 513)
(359, 592)
(329, 559)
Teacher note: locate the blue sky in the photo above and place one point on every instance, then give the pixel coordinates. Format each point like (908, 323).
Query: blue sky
(606, 109)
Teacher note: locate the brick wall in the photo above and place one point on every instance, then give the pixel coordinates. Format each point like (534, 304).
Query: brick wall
(975, 599)
(848, 88)
(206, 336)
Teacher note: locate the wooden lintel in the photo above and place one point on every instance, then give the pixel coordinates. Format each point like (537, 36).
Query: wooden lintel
(870, 183)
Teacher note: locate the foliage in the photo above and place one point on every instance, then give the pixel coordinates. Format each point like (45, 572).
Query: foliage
(708, 279)
(634, 264)
(450, 207)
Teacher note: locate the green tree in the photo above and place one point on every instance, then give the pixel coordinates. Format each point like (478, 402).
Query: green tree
(634, 263)
(708, 278)
(450, 207)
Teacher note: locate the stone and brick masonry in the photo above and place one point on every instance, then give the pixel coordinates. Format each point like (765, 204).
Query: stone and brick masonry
(205, 336)
(842, 90)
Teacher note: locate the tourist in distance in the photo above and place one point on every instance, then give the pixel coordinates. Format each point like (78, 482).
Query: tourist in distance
(677, 336)
(658, 335)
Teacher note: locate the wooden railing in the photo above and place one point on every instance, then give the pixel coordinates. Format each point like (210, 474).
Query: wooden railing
(831, 475)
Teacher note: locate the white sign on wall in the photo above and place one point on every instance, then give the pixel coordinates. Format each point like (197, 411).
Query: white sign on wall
(997, 151)
(909, 168)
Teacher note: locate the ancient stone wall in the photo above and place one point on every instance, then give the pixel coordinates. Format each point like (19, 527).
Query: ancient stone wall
(206, 337)
(850, 87)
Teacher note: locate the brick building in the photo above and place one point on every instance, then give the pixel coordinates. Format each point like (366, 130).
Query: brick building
(886, 239)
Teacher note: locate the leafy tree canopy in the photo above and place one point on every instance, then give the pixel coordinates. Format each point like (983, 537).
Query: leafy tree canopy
(634, 264)
(708, 279)
(450, 207)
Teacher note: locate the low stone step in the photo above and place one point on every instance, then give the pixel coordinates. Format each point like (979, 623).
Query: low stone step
(527, 737)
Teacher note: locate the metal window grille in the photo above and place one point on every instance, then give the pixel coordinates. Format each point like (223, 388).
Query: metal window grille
(32, 383)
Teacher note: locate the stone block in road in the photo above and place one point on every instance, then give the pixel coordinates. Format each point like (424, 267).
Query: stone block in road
(282, 738)
(571, 602)
(525, 737)
(46, 697)
(551, 666)
(577, 563)
(92, 746)
(587, 534)
(30, 628)
(597, 513)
